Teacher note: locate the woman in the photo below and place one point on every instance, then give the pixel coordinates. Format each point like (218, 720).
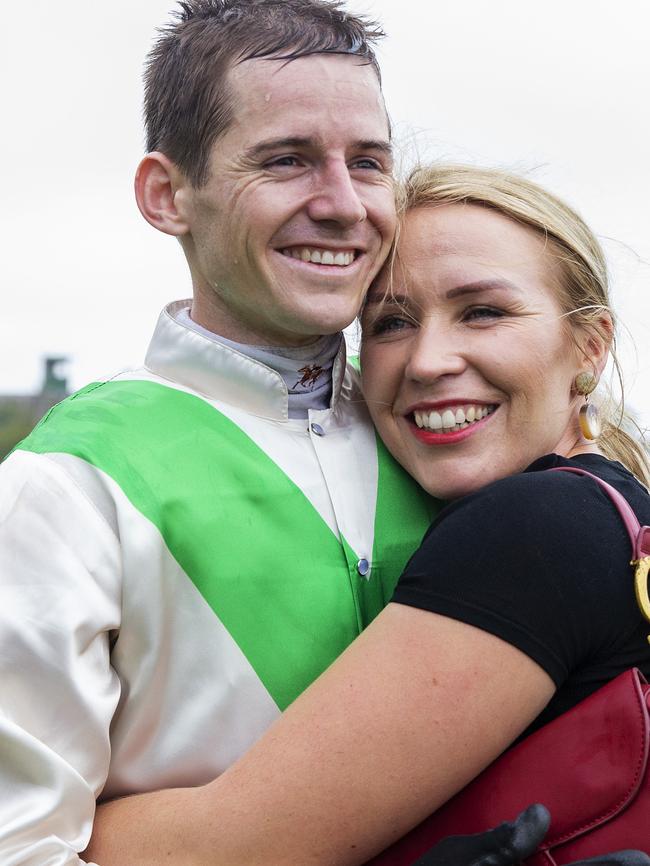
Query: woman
(481, 344)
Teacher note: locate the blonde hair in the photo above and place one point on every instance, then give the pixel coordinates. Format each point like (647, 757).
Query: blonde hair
(583, 288)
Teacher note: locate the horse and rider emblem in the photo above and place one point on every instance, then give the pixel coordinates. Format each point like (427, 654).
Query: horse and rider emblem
(310, 375)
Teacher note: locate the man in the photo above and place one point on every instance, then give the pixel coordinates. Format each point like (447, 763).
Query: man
(187, 546)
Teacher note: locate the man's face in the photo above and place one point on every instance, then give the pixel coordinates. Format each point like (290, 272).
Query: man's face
(298, 213)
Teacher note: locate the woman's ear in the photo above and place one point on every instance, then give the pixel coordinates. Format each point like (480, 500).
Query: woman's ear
(597, 341)
(158, 182)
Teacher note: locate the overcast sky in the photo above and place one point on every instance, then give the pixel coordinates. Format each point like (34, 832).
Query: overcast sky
(559, 90)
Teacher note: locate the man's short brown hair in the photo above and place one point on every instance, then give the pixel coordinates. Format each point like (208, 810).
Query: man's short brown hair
(187, 100)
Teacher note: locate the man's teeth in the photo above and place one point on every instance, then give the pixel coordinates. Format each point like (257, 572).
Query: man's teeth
(319, 256)
(450, 421)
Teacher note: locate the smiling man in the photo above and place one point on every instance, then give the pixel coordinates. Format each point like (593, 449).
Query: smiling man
(296, 212)
(186, 547)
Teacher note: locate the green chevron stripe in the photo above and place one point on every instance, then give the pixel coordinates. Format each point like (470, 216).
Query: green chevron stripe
(221, 505)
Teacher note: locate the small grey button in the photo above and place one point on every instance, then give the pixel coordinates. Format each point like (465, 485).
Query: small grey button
(317, 429)
(363, 567)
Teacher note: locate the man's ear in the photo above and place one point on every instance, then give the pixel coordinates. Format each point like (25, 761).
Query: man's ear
(597, 341)
(158, 182)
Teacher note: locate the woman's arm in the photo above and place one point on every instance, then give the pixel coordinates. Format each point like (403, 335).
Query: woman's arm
(410, 713)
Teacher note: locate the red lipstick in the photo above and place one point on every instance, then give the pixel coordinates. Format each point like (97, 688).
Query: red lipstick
(432, 437)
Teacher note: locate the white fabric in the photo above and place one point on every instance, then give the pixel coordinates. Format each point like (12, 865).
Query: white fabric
(101, 630)
(291, 362)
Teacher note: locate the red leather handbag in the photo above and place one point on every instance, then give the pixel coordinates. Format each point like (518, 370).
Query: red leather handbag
(589, 766)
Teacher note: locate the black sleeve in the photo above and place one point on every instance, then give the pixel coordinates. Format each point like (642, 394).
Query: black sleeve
(540, 560)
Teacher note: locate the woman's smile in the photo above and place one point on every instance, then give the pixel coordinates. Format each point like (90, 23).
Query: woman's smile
(448, 423)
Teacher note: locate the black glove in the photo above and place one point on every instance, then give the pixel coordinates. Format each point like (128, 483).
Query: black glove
(618, 858)
(510, 843)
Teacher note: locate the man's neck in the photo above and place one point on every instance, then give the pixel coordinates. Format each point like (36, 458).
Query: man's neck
(306, 370)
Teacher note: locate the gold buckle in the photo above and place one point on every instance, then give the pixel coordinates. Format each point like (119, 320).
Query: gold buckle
(641, 570)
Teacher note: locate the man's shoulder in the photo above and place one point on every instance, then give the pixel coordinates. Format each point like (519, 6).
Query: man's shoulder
(354, 363)
(113, 413)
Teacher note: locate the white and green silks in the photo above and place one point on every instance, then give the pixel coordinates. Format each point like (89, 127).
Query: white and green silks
(178, 561)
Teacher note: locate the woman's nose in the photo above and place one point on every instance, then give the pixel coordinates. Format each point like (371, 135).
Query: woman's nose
(435, 352)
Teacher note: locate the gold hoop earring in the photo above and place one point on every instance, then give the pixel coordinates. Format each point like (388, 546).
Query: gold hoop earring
(590, 424)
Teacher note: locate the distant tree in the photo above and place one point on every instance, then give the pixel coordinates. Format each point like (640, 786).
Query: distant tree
(19, 414)
(16, 421)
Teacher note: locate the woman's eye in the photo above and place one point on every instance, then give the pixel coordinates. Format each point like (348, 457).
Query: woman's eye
(482, 314)
(389, 325)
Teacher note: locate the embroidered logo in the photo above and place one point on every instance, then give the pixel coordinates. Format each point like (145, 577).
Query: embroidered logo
(310, 375)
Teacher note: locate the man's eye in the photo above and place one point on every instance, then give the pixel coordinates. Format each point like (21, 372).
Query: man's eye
(367, 162)
(474, 314)
(281, 161)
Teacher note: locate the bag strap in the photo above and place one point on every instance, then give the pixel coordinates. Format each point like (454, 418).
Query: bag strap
(639, 536)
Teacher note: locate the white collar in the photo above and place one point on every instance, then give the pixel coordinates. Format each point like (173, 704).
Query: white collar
(220, 372)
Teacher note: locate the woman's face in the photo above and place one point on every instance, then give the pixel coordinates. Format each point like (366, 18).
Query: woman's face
(468, 368)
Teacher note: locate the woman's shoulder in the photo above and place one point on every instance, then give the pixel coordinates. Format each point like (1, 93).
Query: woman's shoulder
(593, 464)
(537, 488)
(540, 559)
(547, 508)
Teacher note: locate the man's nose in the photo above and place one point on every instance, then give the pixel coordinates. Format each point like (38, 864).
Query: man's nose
(435, 352)
(335, 198)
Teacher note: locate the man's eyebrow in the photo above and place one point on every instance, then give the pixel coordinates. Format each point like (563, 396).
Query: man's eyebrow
(483, 286)
(382, 146)
(300, 142)
(262, 147)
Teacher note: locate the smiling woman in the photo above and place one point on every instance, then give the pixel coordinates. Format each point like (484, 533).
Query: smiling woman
(497, 279)
(481, 345)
